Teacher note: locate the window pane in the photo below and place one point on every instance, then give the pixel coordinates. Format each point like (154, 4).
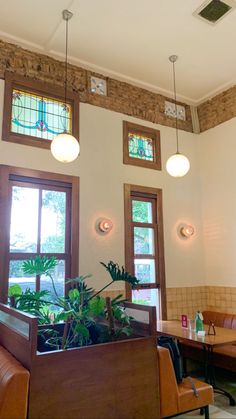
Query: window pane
(39, 116)
(145, 270)
(148, 297)
(53, 222)
(141, 211)
(143, 241)
(59, 281)
(16, 276)
(140, 147)
(24, 220)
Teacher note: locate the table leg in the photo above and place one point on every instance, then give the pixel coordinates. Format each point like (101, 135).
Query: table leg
(210, 374)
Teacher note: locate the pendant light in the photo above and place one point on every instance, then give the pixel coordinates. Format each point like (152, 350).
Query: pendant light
(177, 165)
(65, 147)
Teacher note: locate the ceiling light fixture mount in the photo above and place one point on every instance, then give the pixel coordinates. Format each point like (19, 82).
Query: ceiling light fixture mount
(177, 165)
(64, 147)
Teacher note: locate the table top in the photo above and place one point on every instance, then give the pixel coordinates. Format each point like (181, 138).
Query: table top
(174, 328)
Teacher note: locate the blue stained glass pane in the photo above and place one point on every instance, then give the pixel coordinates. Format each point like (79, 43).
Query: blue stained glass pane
(140, 147)
(39, 116)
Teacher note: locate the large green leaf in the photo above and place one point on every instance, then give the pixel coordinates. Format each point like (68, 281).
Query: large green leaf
(81, 329)
(120, 274)
(96, 306)
(120, 314)
(14, 290)
(39, 265)
(65, 315)
(74, 294)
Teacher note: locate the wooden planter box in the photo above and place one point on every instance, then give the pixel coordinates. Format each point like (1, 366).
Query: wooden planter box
(115, 380)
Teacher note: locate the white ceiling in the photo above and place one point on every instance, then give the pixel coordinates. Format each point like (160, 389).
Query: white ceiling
(131, 40)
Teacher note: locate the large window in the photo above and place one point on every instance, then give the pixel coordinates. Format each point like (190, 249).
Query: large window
(144, 245)
(38, 211)
(34, 112)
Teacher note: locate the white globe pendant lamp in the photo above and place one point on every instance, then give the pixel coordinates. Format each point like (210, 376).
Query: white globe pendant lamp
(177, 165)
(64, 147)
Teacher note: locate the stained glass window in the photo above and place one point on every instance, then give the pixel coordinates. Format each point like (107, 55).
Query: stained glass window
(140, 147)
(39, 116)
(35, 112)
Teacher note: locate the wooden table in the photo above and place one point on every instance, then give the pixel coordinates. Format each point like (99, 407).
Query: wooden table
(174, 328)
(222, 337)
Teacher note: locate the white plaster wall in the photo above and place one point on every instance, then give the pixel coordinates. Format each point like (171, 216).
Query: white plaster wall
(217, 162)
(102, 175)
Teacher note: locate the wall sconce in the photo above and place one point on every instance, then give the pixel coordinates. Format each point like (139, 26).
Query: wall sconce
(186, 231)
(105, 225)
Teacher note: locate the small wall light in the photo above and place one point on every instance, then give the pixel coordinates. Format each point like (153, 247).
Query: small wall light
(186, 231)
(105, 225)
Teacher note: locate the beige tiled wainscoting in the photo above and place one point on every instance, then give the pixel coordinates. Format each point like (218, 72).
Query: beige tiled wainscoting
(187, 300)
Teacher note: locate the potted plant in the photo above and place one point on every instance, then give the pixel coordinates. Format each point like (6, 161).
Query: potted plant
(81, 318)
(97, 369)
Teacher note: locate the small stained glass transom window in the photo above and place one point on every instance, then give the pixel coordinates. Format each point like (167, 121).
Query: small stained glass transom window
(39, 116)
(141, 146)
(35, 112)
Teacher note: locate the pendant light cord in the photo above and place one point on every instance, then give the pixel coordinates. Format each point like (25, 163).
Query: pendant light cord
(66, 64)
(176, 119)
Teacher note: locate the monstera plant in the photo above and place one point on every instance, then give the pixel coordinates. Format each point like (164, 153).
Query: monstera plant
(81, 318)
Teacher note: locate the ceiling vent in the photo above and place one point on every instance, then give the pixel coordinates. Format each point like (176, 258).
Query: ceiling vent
(212, 11)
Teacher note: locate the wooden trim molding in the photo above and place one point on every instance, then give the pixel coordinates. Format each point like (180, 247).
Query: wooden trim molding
(48, 90)
(142, 131)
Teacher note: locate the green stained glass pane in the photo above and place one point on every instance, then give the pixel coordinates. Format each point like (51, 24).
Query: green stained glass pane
(140, 147)
(39, 116)
(143, 241)
(141, 211)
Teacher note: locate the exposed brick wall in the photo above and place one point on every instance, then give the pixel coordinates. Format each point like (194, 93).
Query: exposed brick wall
(219, 109)
(122, 97)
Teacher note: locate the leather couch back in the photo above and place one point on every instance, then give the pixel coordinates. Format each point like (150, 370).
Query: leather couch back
(14, 382)
(220, 319)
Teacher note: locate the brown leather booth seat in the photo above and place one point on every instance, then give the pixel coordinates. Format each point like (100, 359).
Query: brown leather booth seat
(224, 356)
(14, 382)
(178, 398)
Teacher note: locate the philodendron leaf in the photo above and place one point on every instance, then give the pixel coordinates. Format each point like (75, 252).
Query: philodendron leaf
(97, 305)
(14, 290)
(73, 294)
(39, 265)
(119, 314)
(65, 315)
(123, 331)
(80, 329)
(120, 274)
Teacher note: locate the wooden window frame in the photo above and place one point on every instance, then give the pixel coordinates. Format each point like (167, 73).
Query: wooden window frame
(14, 81)
(147, 194)
(7, 173)
(146, 132)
